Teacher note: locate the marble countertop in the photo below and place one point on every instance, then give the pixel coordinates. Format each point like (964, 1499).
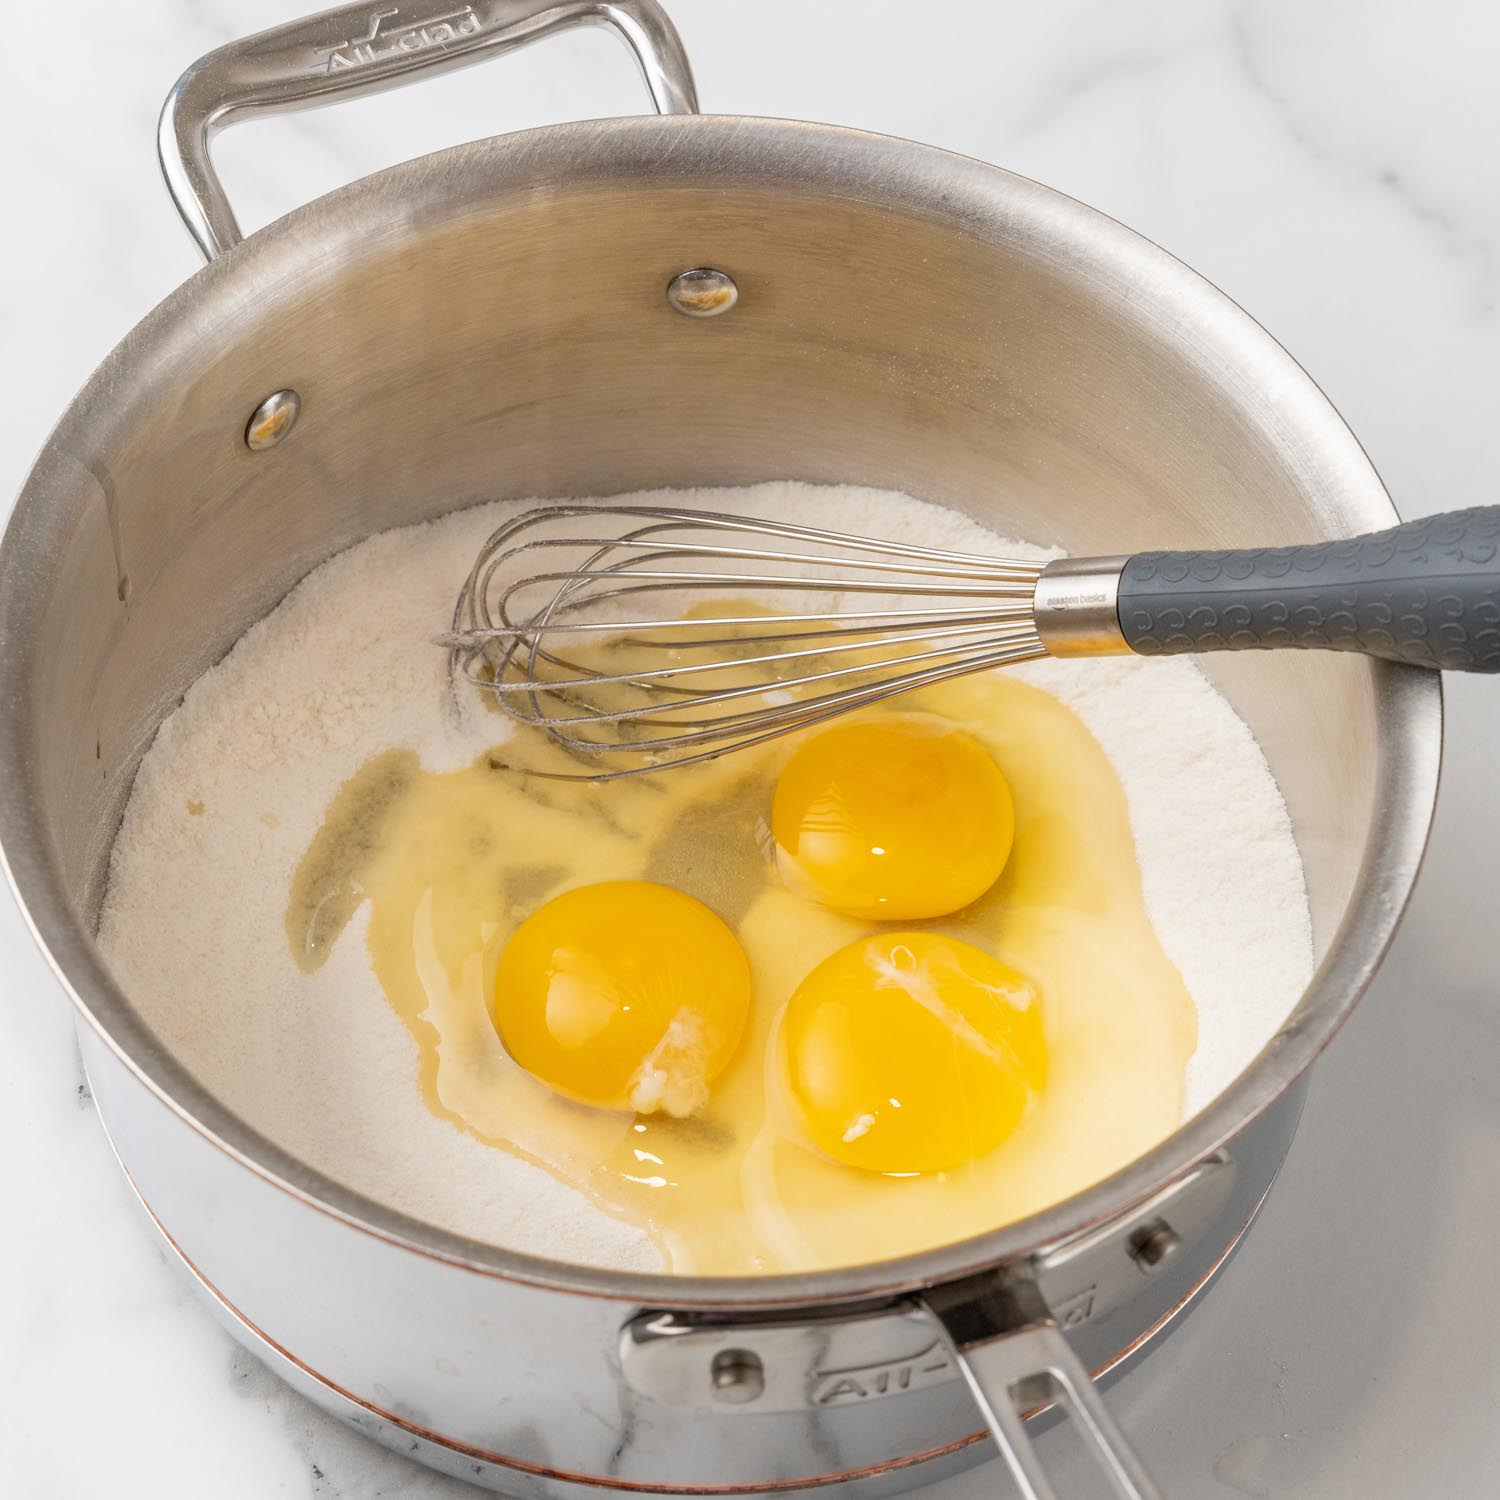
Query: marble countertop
(1332, 165)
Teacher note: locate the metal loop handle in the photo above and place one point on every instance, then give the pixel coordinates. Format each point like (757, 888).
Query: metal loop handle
(1014, 1359)
(364, 48)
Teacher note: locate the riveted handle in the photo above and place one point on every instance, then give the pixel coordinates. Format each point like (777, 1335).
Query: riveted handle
(362, 49)
(1426, 592)
(1014, 1358)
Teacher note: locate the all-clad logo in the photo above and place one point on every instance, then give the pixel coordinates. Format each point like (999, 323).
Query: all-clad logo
(1076, 1310)
(387, 37)
(860, 1382)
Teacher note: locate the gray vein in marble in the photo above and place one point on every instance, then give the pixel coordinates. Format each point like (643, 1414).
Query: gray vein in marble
(1457, 240)
(1082, 83)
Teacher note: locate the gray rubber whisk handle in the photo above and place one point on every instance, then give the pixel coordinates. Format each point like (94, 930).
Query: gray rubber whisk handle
(1426, 592)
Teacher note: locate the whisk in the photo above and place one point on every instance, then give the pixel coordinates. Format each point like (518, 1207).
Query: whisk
(756, 628)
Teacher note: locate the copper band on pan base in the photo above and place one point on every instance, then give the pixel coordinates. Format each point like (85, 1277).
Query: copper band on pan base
(270, 1351)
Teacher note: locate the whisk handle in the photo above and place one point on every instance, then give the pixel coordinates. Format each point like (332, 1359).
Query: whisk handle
(1426, 592)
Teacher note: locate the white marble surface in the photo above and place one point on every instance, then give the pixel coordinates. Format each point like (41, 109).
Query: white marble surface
(1333, 165)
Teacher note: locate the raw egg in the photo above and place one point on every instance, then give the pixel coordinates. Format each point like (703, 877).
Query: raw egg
(492, 904)
(900, 817)
(912, 1052)
(623, 994)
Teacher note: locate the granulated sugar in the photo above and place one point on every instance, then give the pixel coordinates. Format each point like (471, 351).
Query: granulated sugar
(239, 777)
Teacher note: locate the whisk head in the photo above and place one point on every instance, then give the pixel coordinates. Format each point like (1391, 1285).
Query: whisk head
(640, 637)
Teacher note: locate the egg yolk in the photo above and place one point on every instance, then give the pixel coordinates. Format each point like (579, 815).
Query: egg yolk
(911, 1052)
(623, 994)
(897, 818)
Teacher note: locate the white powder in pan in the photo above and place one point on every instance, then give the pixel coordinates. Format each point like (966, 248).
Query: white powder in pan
(237, 781)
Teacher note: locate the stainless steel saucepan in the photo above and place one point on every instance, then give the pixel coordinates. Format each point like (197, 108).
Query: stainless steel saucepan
(507, 318)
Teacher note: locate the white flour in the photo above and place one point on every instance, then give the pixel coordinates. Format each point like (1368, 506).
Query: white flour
(239, 777)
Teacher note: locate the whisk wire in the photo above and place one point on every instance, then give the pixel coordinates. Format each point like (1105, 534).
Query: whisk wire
(632, 695)
(528, 684)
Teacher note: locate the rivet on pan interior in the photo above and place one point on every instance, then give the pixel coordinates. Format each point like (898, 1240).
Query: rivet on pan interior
(272, 420)
(702, 292)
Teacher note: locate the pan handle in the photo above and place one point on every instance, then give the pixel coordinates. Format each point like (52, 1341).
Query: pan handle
(363, 48)
(1014, 1358)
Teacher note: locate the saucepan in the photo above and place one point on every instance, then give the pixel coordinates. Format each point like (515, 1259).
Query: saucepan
(506, 318)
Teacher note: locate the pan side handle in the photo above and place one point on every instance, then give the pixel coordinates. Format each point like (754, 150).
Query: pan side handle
(363, 49)
(1014, 1358)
